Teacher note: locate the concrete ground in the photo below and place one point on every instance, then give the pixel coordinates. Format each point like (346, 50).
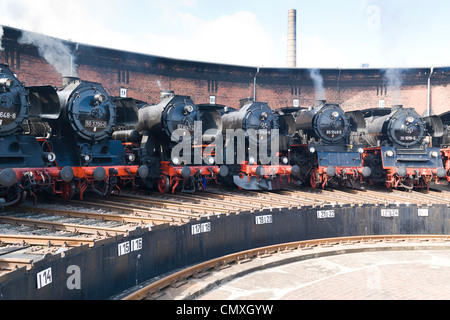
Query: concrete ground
(355, 272)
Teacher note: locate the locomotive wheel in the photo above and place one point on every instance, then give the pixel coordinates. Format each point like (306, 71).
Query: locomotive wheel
(164, 184)
(314, 179)
(68, 190)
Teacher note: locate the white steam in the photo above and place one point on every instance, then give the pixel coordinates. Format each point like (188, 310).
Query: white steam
(317, 79)
(1, 38)
(393, 78)
(54, 51)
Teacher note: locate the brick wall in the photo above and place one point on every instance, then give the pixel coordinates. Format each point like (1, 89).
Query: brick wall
(144, 76)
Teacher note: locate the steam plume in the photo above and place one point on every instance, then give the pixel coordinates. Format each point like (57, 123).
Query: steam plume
(318, 84)
(54, 51)
(393, 78)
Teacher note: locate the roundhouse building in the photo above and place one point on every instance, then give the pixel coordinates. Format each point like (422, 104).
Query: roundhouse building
(143, 77)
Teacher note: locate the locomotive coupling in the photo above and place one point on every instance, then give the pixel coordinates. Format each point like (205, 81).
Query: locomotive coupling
(441, 173)
(66, 174)
(295, 170)
(8, 177)
(260, 171)
(99, 173)
(186, 172)
(366, 172)
(401, 171)
(223, 171)
(143, 171)
(331, 171)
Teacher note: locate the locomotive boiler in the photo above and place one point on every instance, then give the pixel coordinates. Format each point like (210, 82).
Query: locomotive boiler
(397, 148)
(252, 148)
(323, 149)
(81, 138)
(173, 133)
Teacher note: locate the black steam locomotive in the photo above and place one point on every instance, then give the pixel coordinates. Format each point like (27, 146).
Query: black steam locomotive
(397, 148)
(323, 149)
(80, 137)
(173, 136)
(444, 143)
(25, 166)
(252, 149)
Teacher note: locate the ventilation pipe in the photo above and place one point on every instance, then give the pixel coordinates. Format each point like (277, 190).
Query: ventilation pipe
(429, 92)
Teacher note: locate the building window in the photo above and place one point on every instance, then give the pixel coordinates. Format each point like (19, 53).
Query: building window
(212, 86)
(295, 91)
(12, 58)
(382, 90)
(123, 76)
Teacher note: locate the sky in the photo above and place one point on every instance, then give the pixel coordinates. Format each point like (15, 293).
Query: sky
(330, 33)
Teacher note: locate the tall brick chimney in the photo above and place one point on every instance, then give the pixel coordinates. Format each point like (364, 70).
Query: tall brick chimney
(292, 39)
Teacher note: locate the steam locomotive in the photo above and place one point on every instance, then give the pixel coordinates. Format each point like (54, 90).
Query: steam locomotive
(397, 148)
(255, 161)
(173, 136)
(444, 143)
(25, 166)
(322, 146)
(79, 135)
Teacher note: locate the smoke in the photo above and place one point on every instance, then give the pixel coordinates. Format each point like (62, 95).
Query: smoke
(393, 78)
(318, 84)
(1, 38)
(54, 51)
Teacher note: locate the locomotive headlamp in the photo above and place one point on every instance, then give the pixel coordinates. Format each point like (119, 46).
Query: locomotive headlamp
(6, 82)
(390, 153)
(131, 157)
(434, 154)
(285, 160)
(360, 150)
(100, 98)
(312, 150)
(49, 156)
(264, 116)
(335, 114)
(210, 160)
(176, 161)
(86, 158)
(251, 160)
(409, 120)
(188, 109)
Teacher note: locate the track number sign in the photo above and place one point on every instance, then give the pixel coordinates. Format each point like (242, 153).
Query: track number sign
(201, 228)
(129, 246)
(44, 278)
(323, 214)
(263, 219)
(389, 212)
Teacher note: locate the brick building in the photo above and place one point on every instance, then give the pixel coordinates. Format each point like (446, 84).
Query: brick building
(143, 76)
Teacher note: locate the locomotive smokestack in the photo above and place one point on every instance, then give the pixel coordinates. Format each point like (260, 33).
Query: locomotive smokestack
(66, 80)
(319, 103)
(292, 39)
(166, 94)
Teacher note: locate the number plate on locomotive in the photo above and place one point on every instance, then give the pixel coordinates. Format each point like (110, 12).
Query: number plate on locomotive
(95, 124)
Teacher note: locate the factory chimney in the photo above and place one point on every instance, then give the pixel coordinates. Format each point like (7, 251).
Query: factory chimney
(292, 39)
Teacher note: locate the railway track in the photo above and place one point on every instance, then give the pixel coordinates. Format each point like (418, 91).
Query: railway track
(29, 232)
(192, 282)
